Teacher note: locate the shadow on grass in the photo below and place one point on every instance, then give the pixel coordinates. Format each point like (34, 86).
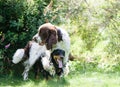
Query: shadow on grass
(10, 81)
(14, 80)
(62, 82)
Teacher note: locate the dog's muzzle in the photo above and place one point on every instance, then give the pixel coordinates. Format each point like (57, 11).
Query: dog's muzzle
(59, 60)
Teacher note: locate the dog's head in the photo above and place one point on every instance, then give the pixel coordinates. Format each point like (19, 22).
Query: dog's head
(57, 58)
(48, 34)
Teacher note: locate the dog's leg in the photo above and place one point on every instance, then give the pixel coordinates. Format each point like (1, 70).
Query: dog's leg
(66, 64)
(66, 70)
(25, 73)
(27, 68)
(37, 73)
(66, 59)
(37, 69)
(28, 64)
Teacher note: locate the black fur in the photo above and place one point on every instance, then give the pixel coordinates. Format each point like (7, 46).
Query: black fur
(38, 67)
(59, 35)
(57, 52)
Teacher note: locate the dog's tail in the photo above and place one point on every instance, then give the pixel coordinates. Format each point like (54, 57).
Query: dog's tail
(17, 57)
(71, 57)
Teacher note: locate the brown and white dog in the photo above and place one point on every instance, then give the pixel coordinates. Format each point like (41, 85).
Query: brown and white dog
(30, 54)
(54, 38)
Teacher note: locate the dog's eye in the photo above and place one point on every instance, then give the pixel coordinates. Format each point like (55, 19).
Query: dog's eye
(55, 57)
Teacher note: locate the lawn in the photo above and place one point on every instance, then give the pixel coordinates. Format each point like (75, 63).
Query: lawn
(76, 78)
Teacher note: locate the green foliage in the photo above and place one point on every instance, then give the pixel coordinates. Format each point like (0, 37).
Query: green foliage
(95, 32)
(19, 22)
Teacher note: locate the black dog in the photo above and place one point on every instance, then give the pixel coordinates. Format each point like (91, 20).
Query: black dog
(38, 67)
(57, 57)
(57, 60)
(46, 71)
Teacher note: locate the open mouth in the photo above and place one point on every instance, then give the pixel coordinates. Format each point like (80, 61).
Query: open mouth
(58, 60)
(60, 64)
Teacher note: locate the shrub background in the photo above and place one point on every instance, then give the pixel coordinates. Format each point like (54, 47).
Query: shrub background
(93, 25)
(19, 22)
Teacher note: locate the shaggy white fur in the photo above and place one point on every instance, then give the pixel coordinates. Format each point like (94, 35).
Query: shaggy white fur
(47, 65)
(64, 45)
(17, 57)
(66, 70)
(36, 51)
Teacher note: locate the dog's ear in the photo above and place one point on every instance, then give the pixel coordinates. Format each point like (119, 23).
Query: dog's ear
(59, 35)
(48, 34)
(52, 55)
(44, 34)
(64, 53)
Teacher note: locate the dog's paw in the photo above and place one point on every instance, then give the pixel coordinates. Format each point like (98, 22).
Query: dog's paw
(25, 75)
(66, 71)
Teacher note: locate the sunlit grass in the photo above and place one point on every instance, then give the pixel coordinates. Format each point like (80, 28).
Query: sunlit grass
(78, 77)
(74, 79)
(95, 79)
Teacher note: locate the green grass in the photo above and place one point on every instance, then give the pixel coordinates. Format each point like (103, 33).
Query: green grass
(74, 79)
(95, 79)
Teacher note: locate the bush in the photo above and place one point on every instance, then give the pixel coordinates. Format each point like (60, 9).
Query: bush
(19, 21)
(94, 32)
